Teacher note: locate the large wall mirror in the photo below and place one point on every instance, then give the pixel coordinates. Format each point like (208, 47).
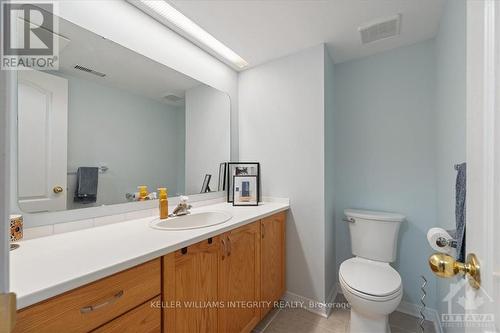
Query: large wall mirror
(110, 120)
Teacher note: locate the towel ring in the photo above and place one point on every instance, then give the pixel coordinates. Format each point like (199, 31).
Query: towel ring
(102, 169)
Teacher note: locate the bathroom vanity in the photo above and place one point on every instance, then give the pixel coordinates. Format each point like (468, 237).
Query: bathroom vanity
(222, 278)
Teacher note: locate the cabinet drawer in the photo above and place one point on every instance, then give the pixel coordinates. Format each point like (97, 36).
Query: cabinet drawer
(88, 307)
(145, 319)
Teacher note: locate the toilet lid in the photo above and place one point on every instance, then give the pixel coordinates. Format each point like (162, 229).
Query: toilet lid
(370, 277)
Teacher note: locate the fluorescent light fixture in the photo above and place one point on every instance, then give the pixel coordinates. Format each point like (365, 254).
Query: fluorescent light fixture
(171, 17)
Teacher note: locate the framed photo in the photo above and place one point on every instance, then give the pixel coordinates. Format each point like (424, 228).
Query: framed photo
(222, 177)
(245, 190)
(206, 184)
(242, 169)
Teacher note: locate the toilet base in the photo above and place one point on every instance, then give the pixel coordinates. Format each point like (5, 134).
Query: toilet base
(373, 324)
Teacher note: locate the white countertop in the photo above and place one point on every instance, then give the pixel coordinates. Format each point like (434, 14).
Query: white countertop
(44, 267)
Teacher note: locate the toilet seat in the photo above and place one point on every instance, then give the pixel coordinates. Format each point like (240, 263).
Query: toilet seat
(371, 280)
(368, 297)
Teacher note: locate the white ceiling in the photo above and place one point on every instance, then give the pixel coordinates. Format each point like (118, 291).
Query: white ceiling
(124, 68)
(262, 30)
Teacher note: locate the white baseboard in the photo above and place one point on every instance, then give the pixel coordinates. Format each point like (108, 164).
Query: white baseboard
(414, 310)
(331, 299)
(319, 308)
(324, 310)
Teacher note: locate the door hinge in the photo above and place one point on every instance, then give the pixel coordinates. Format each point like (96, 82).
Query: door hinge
(7, 312)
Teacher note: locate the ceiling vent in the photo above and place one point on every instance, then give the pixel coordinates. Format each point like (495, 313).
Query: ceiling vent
(89, 70)
(380, 29)
(173, 98)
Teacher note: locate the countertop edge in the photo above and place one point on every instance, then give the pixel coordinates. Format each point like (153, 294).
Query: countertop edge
(56, 290)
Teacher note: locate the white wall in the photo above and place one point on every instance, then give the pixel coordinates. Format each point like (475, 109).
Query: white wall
(282, 126)
(207, 135)
(6, 86)
(331, 276)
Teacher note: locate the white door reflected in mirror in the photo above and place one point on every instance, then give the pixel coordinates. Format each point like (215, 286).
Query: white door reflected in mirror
(42, 145)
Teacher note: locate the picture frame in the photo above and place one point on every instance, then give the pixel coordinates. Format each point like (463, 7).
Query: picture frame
(206, 184)
(245, 190)
(222, 177)
(242, 168)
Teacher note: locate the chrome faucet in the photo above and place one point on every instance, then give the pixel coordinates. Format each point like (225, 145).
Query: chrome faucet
(182, 207)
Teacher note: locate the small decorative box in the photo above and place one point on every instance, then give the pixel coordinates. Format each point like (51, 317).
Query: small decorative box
(16, 228)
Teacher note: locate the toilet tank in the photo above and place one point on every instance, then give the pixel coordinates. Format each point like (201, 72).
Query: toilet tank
(374, 235)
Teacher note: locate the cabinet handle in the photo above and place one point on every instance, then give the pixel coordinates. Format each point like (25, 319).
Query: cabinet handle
(263, 230)
(229, 246)
(224, 248)
(114, 298)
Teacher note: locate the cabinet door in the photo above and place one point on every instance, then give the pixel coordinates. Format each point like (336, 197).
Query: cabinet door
(239, 279)
(190, 288)
(272, 259)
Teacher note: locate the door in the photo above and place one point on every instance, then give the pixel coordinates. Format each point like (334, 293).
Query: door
(239, 279)
(483, 161)
(42, 141)
(272, 260)
(190, 288)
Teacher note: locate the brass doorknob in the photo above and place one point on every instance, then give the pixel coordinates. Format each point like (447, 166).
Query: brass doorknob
(57, 189)
(446, 266)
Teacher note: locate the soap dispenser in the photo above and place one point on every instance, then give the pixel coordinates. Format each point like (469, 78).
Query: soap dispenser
(143, 192)
(163, 196)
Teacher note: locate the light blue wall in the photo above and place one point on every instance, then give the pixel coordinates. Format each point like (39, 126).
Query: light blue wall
(384, 141)
(450, 115)
(330, 262)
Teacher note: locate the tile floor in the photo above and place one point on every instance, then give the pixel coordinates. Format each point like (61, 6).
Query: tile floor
(289, 320)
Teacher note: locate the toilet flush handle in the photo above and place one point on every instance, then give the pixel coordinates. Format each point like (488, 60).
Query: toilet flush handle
(349, 219)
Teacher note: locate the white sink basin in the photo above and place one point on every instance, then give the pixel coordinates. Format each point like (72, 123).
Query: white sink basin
(191, 221)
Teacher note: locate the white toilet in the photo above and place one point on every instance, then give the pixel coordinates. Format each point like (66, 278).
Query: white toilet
(371, 286)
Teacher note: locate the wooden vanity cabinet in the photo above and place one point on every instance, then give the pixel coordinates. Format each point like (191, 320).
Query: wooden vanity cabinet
(228, 278)
(189, 286)
(272, 260)
(207, 286)
(239, 279)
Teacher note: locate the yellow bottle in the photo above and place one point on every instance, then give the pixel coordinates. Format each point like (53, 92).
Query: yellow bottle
(143, 192)
(163, 196)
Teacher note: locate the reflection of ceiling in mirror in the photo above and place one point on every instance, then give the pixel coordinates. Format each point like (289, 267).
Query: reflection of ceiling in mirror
(123, 68)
